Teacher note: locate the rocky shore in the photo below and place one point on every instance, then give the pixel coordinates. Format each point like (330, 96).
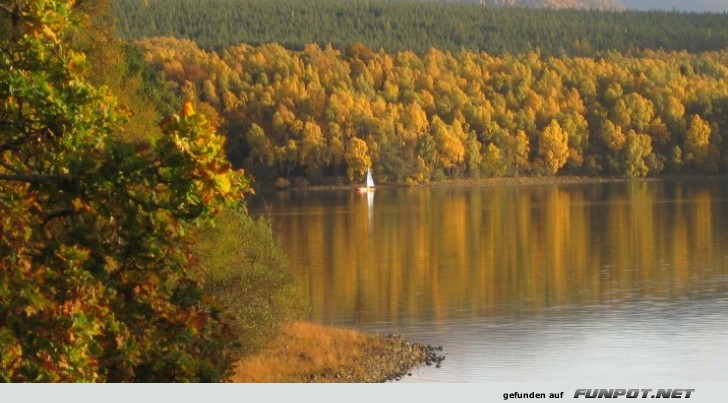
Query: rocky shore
(306, 352)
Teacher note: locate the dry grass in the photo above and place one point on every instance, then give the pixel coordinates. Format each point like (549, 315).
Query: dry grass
(306, 352)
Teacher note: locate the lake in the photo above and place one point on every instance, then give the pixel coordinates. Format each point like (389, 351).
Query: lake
(603, 282)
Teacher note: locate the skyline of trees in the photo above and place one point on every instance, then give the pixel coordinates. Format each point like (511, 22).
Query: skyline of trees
(418, 26)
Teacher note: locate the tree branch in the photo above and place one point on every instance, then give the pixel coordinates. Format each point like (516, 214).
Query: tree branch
(143, 203)
(32, 178)
(7, 166)
(7, 11)
(58, 214)
(14, 16)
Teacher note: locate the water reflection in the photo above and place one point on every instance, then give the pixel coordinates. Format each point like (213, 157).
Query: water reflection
(422, 253)
(452, 265)
(370, 209)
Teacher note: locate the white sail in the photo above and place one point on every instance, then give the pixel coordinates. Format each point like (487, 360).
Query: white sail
(370, 181)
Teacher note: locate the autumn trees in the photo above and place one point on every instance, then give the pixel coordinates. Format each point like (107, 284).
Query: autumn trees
(553, 147)
(321, 113)
(95, 231)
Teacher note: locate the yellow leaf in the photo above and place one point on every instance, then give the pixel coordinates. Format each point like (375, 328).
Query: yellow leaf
(187, 109)
(223, 183)
(49, 33)
(77, 204)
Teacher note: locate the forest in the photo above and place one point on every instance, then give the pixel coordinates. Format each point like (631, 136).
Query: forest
(320, 113)
(126, 250)
(418, 26)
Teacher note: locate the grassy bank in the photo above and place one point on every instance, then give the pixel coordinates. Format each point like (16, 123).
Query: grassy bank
(306, 352)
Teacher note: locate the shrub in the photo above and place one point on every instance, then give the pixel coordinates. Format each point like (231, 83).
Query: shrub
(247, 272)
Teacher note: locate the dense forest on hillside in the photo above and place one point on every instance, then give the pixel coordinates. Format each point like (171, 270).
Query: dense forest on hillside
(579, 4)
(321, 112)
(702, 6)
(417, 26)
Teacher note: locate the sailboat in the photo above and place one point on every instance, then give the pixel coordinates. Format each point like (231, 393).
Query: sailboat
(370, 183)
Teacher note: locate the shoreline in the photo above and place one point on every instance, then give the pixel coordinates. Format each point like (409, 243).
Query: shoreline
(304, 352)
(503, 181)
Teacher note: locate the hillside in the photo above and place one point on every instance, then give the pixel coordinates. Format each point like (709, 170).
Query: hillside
(700, 6)
(579, 4)
(557, 4)
(417, 26)
(714, 6)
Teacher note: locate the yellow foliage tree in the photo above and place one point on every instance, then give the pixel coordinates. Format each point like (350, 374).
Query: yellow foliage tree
(449, 140)
(357, 158)
(639, 147)
(553, 146)
(612, 136)
(697, 139)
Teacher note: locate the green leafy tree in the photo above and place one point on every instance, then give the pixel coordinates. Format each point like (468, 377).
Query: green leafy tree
(96, 233)
(247, 271)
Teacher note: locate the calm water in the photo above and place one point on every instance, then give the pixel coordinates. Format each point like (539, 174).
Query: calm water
(599, 282)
